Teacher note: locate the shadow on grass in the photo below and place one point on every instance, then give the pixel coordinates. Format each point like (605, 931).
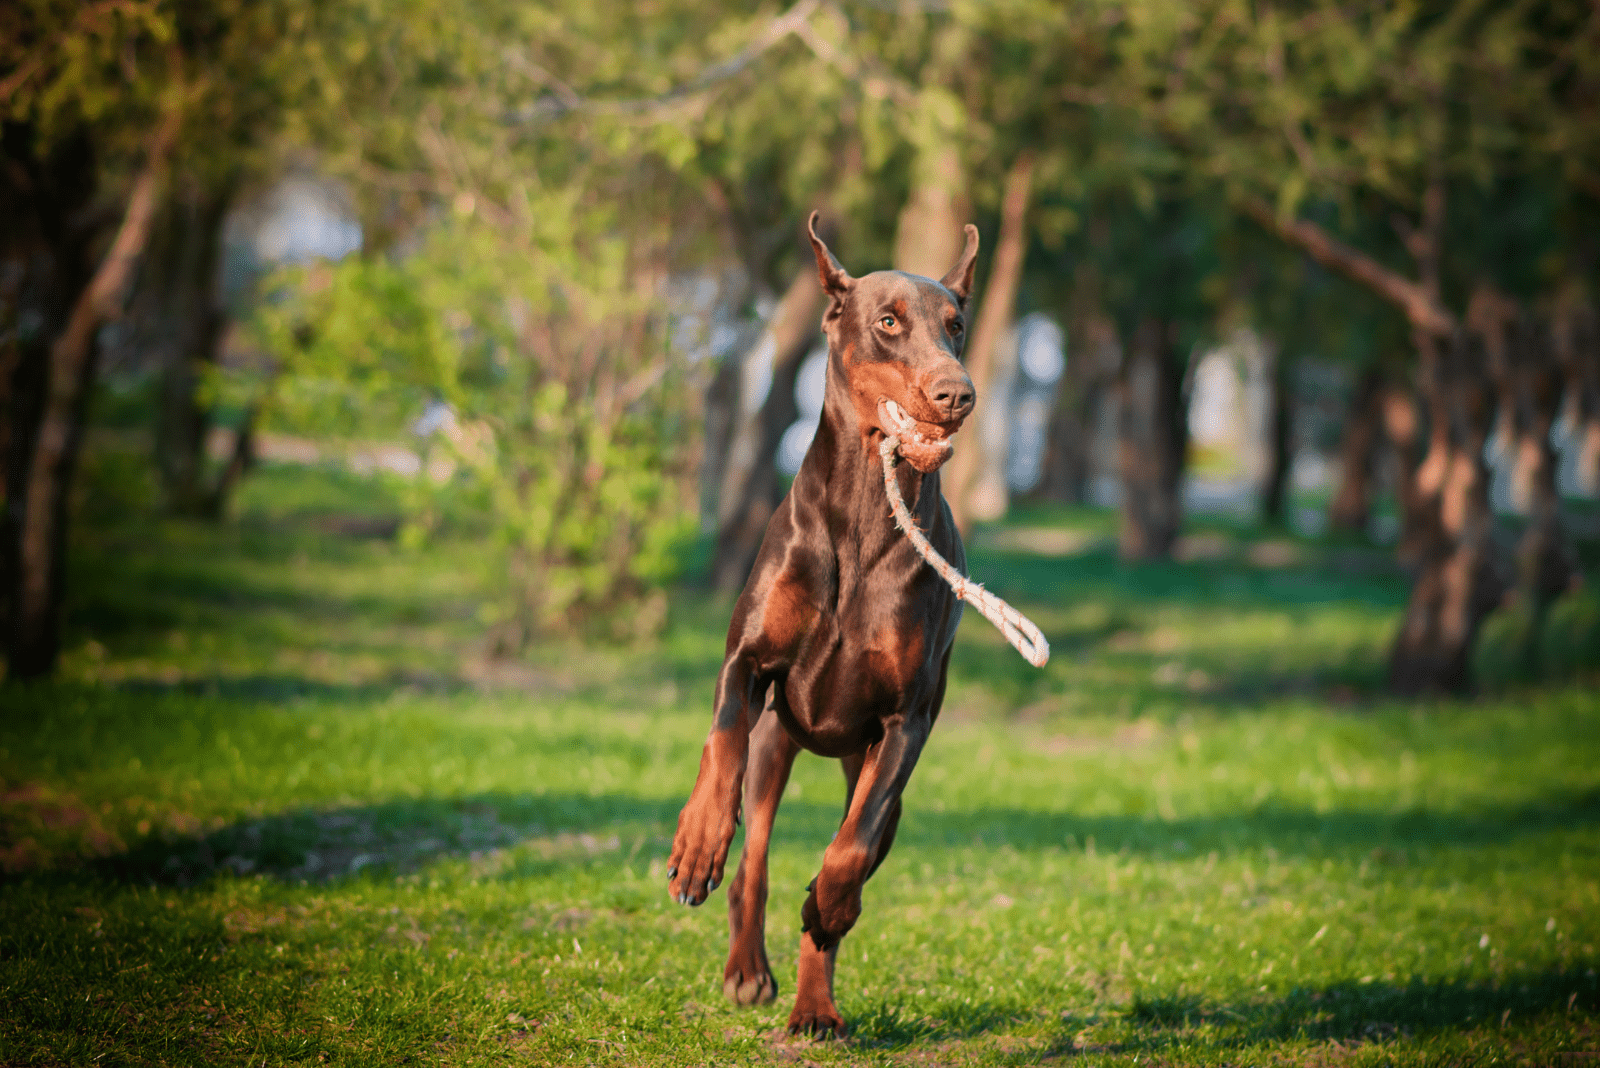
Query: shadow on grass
(288, 686)
(1348, 1013)
(507, 835)
(1101, 576)
(1356, 1011)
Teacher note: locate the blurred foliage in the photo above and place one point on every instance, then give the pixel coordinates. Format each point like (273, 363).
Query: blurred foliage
(530, 176)
(1354, 110)
(566, 418)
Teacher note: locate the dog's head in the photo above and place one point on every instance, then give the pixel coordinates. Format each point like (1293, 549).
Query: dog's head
(897, 339)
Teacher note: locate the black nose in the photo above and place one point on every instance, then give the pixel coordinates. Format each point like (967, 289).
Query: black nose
(954, 395)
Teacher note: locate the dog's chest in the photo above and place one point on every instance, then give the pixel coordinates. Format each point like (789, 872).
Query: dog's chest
(844, 667)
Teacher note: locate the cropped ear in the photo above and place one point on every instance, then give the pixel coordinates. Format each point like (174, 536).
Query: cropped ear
(836, 281)
(959, 280)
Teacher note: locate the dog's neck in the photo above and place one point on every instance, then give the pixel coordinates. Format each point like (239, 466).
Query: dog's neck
(845, 463)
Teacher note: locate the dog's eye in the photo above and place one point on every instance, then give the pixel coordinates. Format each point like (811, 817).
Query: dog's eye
(888, 322)
(956, 328)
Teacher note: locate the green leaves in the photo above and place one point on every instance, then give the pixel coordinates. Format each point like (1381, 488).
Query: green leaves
(569, 434)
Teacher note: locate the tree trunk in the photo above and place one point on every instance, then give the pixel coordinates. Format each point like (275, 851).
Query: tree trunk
(1093, 356)
(723, 419)
(1450, 530)
(1577, 344)
(1280, 452)
(1527, 374)
(195, 320)
(1546, 561)
(1351, 508)
(1070, 435)
(750, 488)
(1462, 577)
(1153, 434)
(969, 478)
(44, 448)
(240, 460)
(47, 265)
(928, 235)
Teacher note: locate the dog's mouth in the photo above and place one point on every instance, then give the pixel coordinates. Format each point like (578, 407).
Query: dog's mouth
(926, 446)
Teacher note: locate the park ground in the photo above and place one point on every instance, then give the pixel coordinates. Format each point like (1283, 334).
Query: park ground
(281, 808)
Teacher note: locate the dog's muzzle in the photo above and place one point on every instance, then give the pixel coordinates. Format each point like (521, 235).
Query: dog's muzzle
(925, 446)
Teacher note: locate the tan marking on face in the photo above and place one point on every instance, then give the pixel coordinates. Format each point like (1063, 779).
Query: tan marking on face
(871, 382)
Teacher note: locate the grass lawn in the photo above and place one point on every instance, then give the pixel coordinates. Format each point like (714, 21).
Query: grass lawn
(280, 809)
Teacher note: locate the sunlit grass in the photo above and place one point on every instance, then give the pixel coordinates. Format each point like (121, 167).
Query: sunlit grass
(282, 809)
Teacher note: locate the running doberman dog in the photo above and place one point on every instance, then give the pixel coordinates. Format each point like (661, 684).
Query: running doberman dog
(840, 642)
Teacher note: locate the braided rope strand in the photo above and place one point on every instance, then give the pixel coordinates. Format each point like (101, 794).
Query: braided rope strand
(1017, 628)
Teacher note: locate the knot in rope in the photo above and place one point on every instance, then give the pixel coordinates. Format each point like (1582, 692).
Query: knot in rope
(1018, 629)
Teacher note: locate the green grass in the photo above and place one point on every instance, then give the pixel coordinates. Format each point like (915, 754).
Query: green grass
(281, 809)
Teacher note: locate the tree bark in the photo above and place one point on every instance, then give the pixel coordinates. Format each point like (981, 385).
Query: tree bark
(1153, 431)
(723, 419)
(1462, 577)
(1094, 355)
(966, 488)
(1547, 564)
(1413, 298)
(195, 321)
(1526, 371)
(1280, 455)
(928, 235)
(37, 500)
(750, 487)
(1351, 508)
(1576, 330)
(45, 263)
(1068, 440)
(1402, 428)
(240, 460)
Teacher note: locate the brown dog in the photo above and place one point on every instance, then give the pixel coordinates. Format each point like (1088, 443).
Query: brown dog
(841, 640)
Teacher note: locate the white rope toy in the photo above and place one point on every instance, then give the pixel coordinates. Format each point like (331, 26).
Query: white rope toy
(1017, 628)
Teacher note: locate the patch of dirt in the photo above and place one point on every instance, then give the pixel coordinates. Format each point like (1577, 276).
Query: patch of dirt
(42, 828)
(564, 921)
(1041, 541)
(495, 674)
(381, 527)
(1133, 735)
(1275, 554)
(792, 1049)
(1192, 548)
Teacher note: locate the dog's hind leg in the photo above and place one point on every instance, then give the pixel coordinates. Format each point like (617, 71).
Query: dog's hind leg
(747, 979)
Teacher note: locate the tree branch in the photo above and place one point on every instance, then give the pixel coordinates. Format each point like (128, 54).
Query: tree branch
(877, 83)
(566, 101)
(1421, 308)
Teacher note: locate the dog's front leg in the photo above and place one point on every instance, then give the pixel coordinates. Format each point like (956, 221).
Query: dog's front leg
(834, 904)
(707, 822)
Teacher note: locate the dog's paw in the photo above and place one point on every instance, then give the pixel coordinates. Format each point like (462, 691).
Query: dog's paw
(759, 988)
(700, 847)
(816, 1019)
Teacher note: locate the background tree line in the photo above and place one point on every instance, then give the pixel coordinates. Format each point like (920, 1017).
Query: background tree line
(1409, 188)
